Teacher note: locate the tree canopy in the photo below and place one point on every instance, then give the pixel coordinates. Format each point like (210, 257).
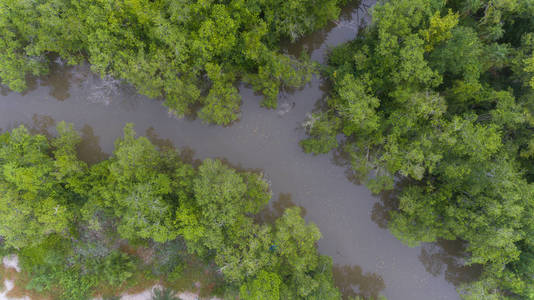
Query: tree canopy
(189, 52)
(72, 224)
(438, 95)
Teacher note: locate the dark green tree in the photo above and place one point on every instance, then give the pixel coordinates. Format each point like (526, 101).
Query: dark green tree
(437, 94)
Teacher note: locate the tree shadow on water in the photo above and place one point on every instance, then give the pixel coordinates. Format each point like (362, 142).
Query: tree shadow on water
(161, 143)
(388, 202)
(238, 167)
(187, 154)
(59, 80)
(41, 124)
(352, 282)
(31, 84)
(4, 90)
(341, 158)
(272, 212)
(448, 258)
(89, 149)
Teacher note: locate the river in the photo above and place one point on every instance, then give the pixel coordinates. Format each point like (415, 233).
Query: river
(368, 259)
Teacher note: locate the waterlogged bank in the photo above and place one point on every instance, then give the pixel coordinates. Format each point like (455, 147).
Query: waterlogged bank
(369, 260)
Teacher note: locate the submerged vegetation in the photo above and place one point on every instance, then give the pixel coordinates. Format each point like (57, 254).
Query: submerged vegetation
(144, 214)
(189, 52)
(439, 95)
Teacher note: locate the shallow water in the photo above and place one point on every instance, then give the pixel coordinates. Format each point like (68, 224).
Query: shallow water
(368, 259)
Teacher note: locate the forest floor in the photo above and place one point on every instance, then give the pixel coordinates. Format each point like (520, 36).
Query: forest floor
(9, 270)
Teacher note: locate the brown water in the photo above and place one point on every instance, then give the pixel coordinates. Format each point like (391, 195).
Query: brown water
(368, 259)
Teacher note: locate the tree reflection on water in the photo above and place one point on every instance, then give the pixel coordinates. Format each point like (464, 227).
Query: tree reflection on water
(352, 282)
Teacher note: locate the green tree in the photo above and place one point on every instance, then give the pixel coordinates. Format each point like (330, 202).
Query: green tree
(192, 53)
(137, 187)
(305, 273)
(266, 286)
(437, 95)
(34, 202)
(222, 199)
(144, 211)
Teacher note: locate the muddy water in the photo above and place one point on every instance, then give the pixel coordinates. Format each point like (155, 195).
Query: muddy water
(369, 260)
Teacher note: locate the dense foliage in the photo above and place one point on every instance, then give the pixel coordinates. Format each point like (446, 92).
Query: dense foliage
(439, 95)
(191, 52)
(72, 224)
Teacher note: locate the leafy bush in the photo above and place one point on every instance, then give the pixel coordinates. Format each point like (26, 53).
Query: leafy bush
(164, 294)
